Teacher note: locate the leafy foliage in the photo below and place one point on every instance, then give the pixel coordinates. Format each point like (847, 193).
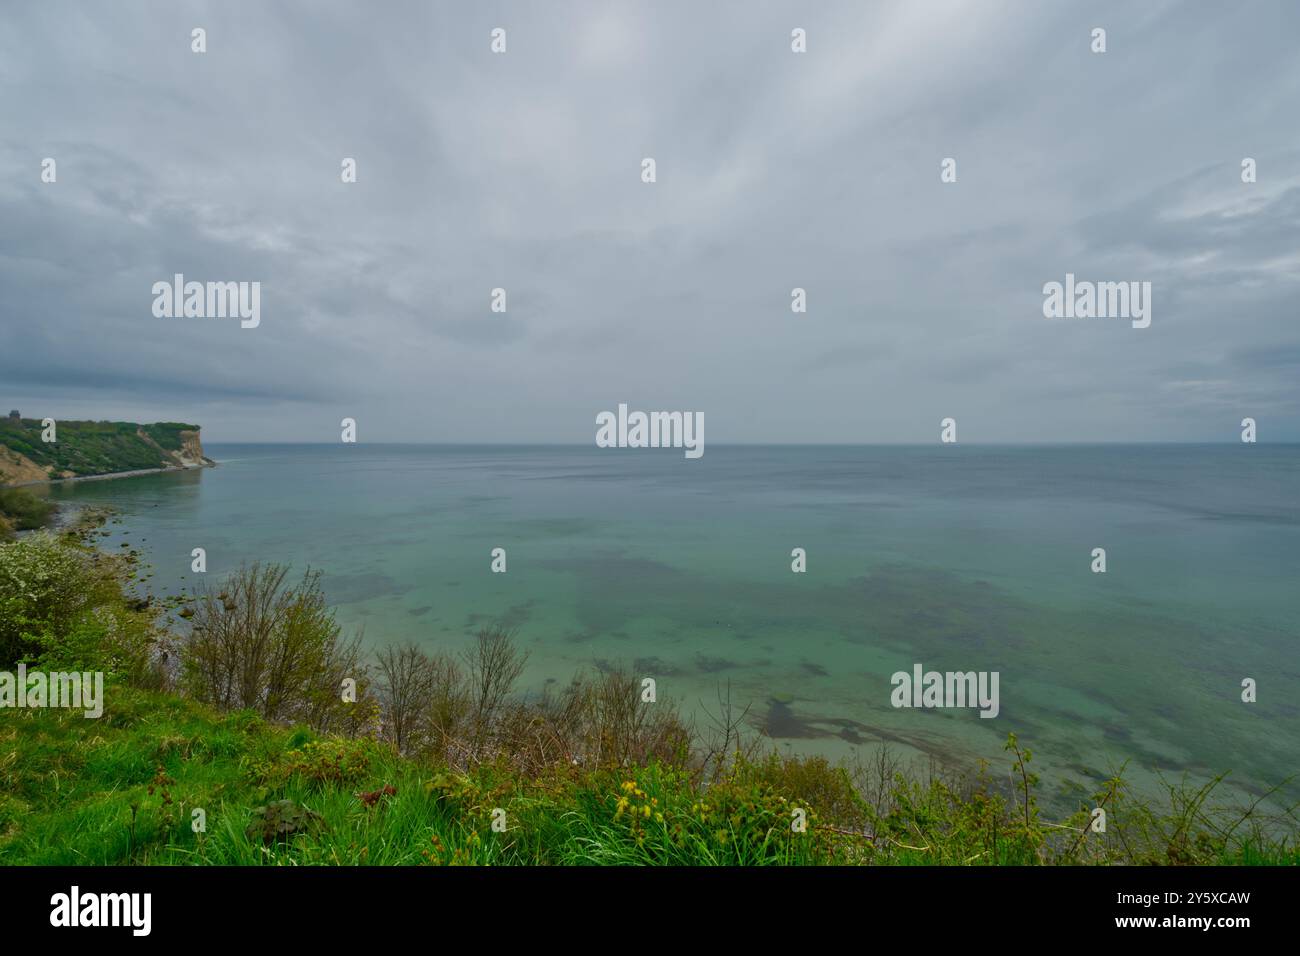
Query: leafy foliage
(261, 643)
(281, 820)
(63, 607)
(23, 511)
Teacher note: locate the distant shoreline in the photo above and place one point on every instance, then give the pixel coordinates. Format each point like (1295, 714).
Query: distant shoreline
(106, 477)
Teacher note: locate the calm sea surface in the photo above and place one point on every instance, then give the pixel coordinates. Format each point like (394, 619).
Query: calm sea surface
(958, 558)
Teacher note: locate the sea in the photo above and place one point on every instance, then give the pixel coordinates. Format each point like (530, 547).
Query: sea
(957, 558)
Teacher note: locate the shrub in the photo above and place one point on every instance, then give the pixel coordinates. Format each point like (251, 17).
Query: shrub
(63, 608)
(813, 781)
(493, 664)
(659, 815)
(446, 713)
(602, 722)
(317, 763)
(23, 510)
(260, 644)
(45, 587)
(281, 820)
(405, 687)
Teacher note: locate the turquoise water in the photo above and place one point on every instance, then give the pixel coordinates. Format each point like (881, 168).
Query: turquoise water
(958, 558)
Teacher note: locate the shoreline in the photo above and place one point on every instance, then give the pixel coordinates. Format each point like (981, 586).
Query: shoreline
(109, 476)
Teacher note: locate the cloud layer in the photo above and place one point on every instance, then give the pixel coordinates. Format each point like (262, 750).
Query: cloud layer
(775, 170)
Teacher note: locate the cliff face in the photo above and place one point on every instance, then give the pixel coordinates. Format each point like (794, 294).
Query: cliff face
(16, 468)
(94, 449)
(191, 451)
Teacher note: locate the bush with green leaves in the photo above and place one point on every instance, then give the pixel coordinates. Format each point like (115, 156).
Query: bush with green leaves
(23, 511)
(62, 607)
(46, 586)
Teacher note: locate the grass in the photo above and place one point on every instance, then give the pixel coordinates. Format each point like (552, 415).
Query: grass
(123, 790)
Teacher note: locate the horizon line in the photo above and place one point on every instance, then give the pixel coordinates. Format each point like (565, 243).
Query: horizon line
(742, 444)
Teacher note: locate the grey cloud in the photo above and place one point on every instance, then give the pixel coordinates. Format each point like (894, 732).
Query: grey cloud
(775, 171)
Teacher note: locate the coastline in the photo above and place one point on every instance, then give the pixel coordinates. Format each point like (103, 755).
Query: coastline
(110, 475)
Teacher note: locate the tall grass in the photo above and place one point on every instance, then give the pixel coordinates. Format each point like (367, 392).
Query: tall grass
(123, 790)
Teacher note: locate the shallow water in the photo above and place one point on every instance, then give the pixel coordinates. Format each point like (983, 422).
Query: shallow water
(959, 558)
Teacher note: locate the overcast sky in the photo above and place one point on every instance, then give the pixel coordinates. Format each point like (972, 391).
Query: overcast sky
(775, 170)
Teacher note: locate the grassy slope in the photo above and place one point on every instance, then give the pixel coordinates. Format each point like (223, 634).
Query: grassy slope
(68, 786)
(95, 448)
(121, 789)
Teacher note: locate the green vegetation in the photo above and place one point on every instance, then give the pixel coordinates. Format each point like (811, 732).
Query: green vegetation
(21, 510)
(63, 606)
(240, 718)
(168, 434)
(96, 448)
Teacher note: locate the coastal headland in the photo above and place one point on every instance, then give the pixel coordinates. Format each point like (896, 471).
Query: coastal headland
(37, 451)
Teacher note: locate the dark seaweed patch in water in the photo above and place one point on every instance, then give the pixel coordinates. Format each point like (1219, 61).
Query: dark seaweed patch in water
(849, 731)
(931, 610)
(350, 588)
(420, 611)
(781, 722)
(712, 665)
(815, 669)
(614, 589)
(655, 666)
(517, 615)
(514, 618)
